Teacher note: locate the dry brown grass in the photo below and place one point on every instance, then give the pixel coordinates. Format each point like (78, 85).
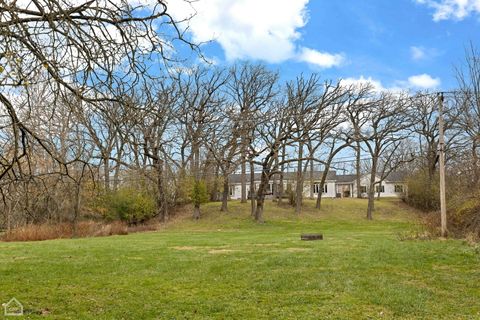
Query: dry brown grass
(84, 229)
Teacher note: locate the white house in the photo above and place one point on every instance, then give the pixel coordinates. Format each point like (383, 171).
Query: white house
(340, 186)
(392, 186)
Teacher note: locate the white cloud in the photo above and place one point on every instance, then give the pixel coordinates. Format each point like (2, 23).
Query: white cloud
(250, 29)
(320, 59)
(423, 81)
(417, 53)
(362, 81)
(451, 9)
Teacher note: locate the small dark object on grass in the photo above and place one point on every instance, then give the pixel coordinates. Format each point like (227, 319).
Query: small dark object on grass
(312, 236)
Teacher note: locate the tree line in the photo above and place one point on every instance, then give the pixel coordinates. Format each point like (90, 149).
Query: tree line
(86, 123)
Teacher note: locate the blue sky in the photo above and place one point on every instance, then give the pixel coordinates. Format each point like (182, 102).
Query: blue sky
(394, 43)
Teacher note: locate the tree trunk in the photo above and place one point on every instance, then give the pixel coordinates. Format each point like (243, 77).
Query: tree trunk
(243, 177)
(214, 193)
(116, 174)
(76, 210)
(226, 186)
(116, 177)
(196, 174)
(160, 194)
(312, 182)
(358, 170)
(282, 169)
(275, 180)
(280, 189)
(371, 190)
(252, 188)
(371, 203)
(333, 153)
(106, 174)
(196, 212)
(318, 205)
(261, 196)
(299, 188)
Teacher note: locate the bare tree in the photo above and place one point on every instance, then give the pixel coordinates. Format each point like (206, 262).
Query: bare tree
(383, 133)
(200, 98)
(251, 88)
(468, 77)
(223, 143)
(274, 132)
(423, 114)
(155, 117)
(89, 49)
(358, 114)
(303, 98)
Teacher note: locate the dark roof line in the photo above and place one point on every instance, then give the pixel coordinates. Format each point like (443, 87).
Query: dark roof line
(331, 176)
(398, 176)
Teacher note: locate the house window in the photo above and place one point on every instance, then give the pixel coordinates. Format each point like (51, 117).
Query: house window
(399, 188)
(231, 190)
(363, 189)
(316, 188)
(380, 189)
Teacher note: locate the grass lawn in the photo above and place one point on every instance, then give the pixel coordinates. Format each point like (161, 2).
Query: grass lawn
(227, 267)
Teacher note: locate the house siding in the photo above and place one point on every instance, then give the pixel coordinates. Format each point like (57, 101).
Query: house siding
(236, 189)
(332, 188)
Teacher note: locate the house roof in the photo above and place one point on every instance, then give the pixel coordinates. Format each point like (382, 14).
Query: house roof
(317, 175)
(397, 176)
(346, 178)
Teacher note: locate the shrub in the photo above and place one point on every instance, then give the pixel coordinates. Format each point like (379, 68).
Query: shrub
(199, 193)
(292, 198)
(465, 217)
(129, 205)
(422, 193)
(463, 202)
(184, 190)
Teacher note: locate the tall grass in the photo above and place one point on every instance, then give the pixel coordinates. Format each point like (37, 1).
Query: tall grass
(33, 232)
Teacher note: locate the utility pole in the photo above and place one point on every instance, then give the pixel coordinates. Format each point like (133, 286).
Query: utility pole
(441, 143)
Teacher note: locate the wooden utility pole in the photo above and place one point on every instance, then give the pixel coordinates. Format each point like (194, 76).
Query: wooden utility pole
(441, 143)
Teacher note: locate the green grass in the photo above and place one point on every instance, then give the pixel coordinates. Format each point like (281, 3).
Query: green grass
(227, 267)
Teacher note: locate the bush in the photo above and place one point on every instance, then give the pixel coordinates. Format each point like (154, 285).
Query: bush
(184, 190)
(199, 193)
(292, 198)
(465, 216)
(422, 194)
(129, 205)
(463, 202)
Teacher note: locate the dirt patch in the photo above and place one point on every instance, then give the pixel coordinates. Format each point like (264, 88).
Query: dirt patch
(220, 251)
(298, 249)
(186, 248)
